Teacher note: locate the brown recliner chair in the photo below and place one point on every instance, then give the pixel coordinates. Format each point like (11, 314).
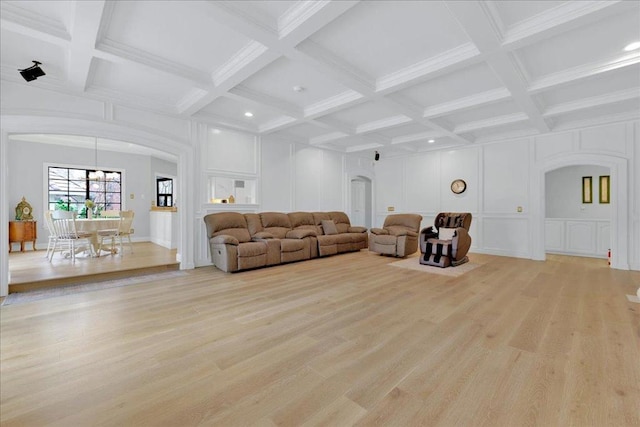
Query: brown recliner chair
(447, 242)
(398, 236)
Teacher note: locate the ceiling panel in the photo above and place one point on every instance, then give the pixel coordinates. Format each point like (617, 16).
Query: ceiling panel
(279, 78)
(166, 29)
(601, 84)
(513, 12)
(14, 54)
(451, 86)
(601, 41)
(234, 109)
(132, 80)
(483, 112)
(384, 36)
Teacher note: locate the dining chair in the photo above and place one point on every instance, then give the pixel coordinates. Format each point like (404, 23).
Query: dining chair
(52, 234)
(67, 235)
(124, 230)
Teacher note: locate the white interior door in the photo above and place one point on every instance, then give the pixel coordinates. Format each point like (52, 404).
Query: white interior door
(358, 203)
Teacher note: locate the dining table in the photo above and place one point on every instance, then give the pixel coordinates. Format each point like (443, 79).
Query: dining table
(93, 226)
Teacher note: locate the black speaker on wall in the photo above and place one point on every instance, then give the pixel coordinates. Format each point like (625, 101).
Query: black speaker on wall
(32, 72)
(377, 156)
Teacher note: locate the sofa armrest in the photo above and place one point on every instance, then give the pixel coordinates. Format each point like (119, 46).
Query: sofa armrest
(357, 229)
(262, 235)
(300, 233)
(225, 239)
(405, 233)
(379, 231)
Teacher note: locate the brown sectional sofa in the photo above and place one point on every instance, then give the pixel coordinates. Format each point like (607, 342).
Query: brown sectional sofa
(244, 241)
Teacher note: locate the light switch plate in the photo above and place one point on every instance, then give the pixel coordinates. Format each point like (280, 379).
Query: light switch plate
(391, 208)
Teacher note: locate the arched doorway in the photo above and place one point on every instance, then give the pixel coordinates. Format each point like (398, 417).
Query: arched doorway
(14, 124)
(360, 199)
(619, 202)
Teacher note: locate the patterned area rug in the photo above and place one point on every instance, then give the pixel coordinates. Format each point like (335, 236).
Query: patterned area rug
(40, 294)
(414, 264)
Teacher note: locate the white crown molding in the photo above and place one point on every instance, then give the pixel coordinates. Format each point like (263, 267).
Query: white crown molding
(317, 55)
(216, 120)
(594, 101)
(334, 103)
(416, 137)
(516, 134)
(244, 93)
(128, 99)
(122, 51)
(423, 69)
(241, 59)
(385, 123)
(323, 139)
(28, 23)
(190, 98)
(583, 71)
(601, 120)
(298, 14)
(277, 124)
(467, 102)
(556, 18)
(491, 122)
(363, 147)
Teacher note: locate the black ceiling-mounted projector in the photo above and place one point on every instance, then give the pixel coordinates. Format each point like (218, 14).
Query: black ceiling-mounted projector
(32, 72)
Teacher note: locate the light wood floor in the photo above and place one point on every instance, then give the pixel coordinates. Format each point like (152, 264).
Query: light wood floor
(337, 341)
(32, 270)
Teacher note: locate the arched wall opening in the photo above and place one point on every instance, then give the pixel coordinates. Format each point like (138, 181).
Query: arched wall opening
(619, 203)
(13, 124)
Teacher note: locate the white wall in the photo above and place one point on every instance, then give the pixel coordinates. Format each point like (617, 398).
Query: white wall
(563, 189)
(502, 176)
(27, 177)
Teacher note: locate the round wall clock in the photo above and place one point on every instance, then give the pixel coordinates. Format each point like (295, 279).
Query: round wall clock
(458, 186)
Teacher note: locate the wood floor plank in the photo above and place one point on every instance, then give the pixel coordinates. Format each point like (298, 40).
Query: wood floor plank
(342, 340)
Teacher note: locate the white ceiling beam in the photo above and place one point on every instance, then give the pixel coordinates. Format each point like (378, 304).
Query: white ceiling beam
(322, 139)
(277, 124)
(492, 122)
(594, 101)
(30, 24)
(244, 93)
(216, 120)
(416, 137)
(584, 71)
(467, 102)
(479, 24)
(565, 17)
(306, 17)
(329, 105)
(84, 33)
(386, 123)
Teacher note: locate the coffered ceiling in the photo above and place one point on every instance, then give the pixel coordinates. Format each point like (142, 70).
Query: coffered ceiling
(392, 76)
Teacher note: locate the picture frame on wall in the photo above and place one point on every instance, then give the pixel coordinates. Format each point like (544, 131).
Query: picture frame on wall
(587, 189)
(605, 188)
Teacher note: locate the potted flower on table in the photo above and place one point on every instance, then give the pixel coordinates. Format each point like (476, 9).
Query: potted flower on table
(89, 204)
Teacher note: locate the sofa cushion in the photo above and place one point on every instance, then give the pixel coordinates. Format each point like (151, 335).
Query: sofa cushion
(250, 249)
(229, 223)
(329, 227)
(254, 223)
(445, 233)
(386, 239)
(291, 245)
(341, 220)
(276, 223)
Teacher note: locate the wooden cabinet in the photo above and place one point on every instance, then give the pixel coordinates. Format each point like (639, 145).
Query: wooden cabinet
(23, 231)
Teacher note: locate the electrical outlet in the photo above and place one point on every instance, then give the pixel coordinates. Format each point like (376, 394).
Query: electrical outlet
(131, 196)
(391, 209)
(519, 209)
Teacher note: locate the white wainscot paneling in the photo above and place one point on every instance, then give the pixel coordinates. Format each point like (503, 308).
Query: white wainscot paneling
(308, 170)
(232, 152)
(389, 184)
(332, 182)
(422, 182)
(164, 228)
(607, 139)
(166, 124)
(277, 185)
(459, 164)
(506, 236)
(552, 144)
(554, 235)
(506, 176)
(579, 237)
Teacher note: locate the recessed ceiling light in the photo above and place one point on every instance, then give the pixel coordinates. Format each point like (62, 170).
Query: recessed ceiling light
(431, 141)
(216, 131)
(248, 114)
(632, 46)
(298, 89)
